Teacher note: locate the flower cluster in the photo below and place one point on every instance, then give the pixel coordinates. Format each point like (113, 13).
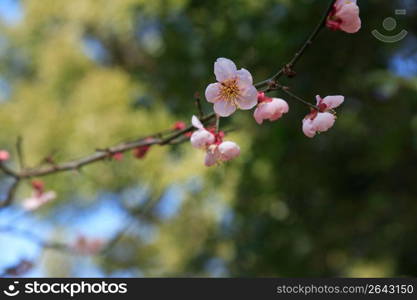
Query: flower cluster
(344, 16)
(217, 150)
(324, 118)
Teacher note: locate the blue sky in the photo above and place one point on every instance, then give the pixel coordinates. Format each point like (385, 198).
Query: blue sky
(10, 11)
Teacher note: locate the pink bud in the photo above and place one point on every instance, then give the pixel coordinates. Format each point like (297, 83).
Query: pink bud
(117, 156)
(270, 110)
(179, 125)
(140, 152)
(202, 138)
(228, 151)
(345, 16)
(38, 185)
(4, 155)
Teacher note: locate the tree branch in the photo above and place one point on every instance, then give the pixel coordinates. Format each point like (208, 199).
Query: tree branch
(291, 64)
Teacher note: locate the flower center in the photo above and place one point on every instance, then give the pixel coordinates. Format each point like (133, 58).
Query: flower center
(229, 91)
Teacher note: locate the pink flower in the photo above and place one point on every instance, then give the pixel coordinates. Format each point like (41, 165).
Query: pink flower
(36, 201)
(4, 155)
(269, 109)
(228, 151)
(39, 196)
(87, 246)
(323, 119)
(202, 138)
(345, 16)
(222, 152)
(233, 90)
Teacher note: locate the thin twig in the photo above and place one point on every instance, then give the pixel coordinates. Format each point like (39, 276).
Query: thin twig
(294, 96)
(101, 154)
(6, 170)
(291, 64)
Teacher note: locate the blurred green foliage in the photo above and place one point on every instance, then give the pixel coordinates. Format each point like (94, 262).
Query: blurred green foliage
(86, 74)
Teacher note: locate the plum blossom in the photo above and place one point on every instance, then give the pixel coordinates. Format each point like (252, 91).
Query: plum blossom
(228, 151)
(87, 246)
(211, 141)
(345, 16)
(322, 119)
(4, 155)
(202, 138)
(222, 152)
(270, 109)
(39, 196)
(234, 88)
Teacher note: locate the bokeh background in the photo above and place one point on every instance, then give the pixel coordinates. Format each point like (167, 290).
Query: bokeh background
(83, 74)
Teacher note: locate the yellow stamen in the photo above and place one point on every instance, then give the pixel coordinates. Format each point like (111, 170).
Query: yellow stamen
(230, 91)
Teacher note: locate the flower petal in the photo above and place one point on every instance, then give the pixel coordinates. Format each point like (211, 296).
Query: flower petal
(244, 77)
(213, 92)
(280, 105)
(308, 128)
(224, 69)
(349, 14)
(224, 108)
(323, 121)
(196, 123)
(201, 139)
(248, 98)
(333, 101)
(339, 3)
(228, 150)
(259, 114)
(212, 156)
